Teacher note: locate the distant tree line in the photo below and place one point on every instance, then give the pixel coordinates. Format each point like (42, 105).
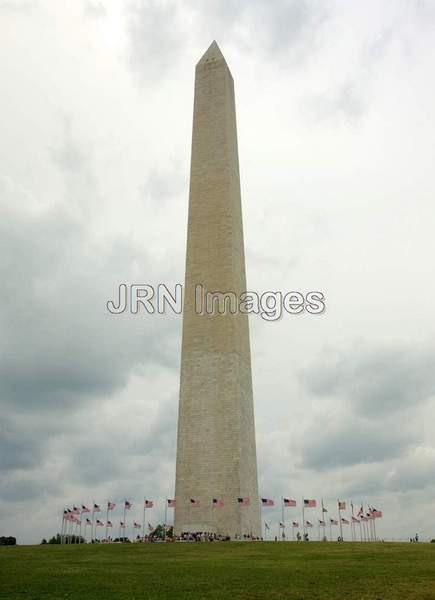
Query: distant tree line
(157, 533)
(67, 539)
(7, 541)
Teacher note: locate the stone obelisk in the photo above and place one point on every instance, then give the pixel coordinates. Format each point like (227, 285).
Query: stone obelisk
(216, 454)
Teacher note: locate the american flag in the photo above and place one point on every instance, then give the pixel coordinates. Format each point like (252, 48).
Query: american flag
(110, 505)
(295, 524)
(282, 525)
(333, 522)
(109, 524)
(85, 509)
(122, 525)
(355, 520)
(88, 522)
(267, 502)
(97, 508)
(148, 504)
(322, 523)
(76, 510)
(310, 503)
(289, 502)
(308, 524)
(194, 502)
(150, 527)
(136, 525)
(376, 514)
(171, 503)
(266, 526)
(128, 505)
(341, 505)
(99, 523)
(218, 503)
(243, 501)
(360, 512)
(344, 521)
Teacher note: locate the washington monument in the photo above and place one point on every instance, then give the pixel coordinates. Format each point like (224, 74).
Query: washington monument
(216, 454)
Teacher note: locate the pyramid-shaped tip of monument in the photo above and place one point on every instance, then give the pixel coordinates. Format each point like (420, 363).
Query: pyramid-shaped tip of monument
(213, 52)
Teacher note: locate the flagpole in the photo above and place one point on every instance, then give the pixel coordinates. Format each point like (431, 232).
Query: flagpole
(366, 537)
(355, 534)
(351, 523)
(107, 517)
(92, 524)
(64, 529)
(166, 514)
(143, 522)
(330, 530)
(303, 516)
(80, 528)
(125, 524)
(339, 520)
(62, 526)
(261, 517)
(283, 522)
(323, 519)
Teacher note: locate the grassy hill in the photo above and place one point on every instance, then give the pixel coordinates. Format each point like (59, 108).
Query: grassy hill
(267, 570)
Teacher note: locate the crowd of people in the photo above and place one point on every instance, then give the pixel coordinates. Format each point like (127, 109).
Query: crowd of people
(201, 536)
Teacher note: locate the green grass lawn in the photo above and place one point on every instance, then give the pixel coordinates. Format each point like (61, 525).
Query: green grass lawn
(235, 570)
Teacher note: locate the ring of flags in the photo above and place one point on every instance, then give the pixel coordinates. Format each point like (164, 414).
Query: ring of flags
(363, 517)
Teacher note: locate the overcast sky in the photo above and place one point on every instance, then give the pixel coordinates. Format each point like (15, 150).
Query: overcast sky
(336, 123)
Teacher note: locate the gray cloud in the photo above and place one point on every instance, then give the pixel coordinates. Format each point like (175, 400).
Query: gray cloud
(375, 380)
(354, 441)
(17, 6)
(139, 449)
(163, 185)
(20, 489)
(19, 450)
(345, 101)
(154, 25)
(291, 26)
(94, 9)
(414, 473)
(59, 342)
